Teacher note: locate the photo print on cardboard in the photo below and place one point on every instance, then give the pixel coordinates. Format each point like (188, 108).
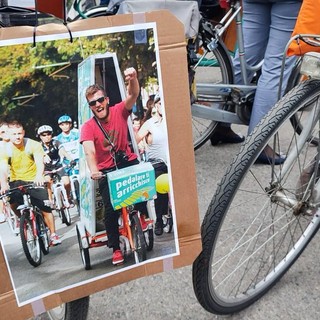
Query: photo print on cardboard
(44, 82)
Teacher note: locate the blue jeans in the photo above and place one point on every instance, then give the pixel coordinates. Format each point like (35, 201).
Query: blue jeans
(267, 29)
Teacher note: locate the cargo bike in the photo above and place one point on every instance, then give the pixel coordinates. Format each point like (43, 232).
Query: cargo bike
(128, 187)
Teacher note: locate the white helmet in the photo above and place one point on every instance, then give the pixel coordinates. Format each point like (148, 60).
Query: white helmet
(44, 128)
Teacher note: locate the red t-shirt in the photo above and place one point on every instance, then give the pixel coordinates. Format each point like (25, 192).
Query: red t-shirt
(117, 130)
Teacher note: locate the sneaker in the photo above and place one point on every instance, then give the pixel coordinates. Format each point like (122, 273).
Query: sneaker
(158, 229)
(117, 257)
(54, 240)
(2, 218)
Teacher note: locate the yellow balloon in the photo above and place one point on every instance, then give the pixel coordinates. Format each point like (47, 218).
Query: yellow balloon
(162, 183)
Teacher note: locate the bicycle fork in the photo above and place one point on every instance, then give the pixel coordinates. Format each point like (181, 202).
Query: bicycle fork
(126, 226)
(28, 212)
(59, 188)
(73, 189)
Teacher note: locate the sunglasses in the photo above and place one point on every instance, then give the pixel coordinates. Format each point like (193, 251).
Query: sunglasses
(46, 134)
(92, 103)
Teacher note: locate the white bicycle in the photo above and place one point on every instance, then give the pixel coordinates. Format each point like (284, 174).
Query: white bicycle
(60, 199)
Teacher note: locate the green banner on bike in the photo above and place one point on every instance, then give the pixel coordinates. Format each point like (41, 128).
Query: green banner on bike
(132, 185)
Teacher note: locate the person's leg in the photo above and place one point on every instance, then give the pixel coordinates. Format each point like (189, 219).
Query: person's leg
(282, 24)
(66, 182)
(39, 198)
(256, 22)
(161, 202)
(111, 217)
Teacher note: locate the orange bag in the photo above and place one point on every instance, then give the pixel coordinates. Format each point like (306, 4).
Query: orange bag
(308, 22)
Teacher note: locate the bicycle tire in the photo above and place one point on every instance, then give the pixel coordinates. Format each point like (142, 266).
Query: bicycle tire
(140, 252)
(43, 235)
(203, 128)
(30, 243)
(64, 212)
(84, 252)
(77, 196)
(77, 309)
(256, 228)
(167, 221)
(66, 217)
(149, 239)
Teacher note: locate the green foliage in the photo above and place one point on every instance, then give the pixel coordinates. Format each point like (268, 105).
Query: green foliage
(34, 90)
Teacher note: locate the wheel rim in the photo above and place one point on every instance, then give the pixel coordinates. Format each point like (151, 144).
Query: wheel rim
(212, 71)
(259, 239)
(138, 240)
(32, 242)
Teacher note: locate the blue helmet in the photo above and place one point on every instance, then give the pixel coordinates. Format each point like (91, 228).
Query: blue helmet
(64, 118)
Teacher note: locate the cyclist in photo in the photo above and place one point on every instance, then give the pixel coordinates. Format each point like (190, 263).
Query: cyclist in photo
(24, 157)
(104, 155)
(69, 138)
(54, 153)
(3, 140)
(154, 132)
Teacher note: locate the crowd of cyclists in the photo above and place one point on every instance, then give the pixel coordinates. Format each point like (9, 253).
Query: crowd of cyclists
(24, 160)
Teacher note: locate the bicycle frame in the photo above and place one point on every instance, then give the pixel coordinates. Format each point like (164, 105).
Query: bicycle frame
(310, 67)
(57, 189)
(73, 179)
(224, 90)
(26, 208)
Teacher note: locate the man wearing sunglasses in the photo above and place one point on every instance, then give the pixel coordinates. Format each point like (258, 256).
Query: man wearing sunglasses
(101, 151)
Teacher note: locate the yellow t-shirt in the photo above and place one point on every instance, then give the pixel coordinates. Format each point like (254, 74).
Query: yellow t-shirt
(21, 160)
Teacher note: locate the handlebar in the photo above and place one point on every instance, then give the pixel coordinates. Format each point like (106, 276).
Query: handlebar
(69, 166)
(23, 188)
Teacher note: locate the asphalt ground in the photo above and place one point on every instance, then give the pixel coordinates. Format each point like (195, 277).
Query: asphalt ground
(170, 295)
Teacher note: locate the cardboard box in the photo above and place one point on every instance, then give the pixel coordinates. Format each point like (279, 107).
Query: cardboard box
(174, 81)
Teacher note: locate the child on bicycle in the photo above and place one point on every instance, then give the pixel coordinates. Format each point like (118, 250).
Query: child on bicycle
(55, 152)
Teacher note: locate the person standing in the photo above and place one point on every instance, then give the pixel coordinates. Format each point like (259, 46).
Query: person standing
(107, 154)
(154, 132)
(267, 28)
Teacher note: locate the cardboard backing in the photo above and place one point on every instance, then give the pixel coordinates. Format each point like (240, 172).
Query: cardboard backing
(178, 115)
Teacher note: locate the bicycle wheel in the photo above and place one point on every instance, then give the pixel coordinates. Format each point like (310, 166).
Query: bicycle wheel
(64, 212)
(30, 241)
(167, 221)
(140, 252)
(212, 68)
(84, 252)
(262, 217)
(77, 309)
(76, 199)
(149, 239)
(43, 235)
(65, 216)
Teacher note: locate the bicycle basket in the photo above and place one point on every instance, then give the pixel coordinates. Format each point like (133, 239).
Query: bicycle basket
(132, 185)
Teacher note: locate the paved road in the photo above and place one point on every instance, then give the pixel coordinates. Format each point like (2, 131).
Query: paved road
(62, 267)
(170, 295)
